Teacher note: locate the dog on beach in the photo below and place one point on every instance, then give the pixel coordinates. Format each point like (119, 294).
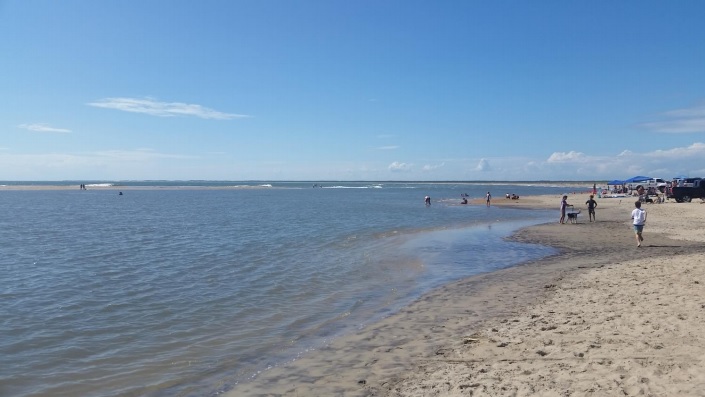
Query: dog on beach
(573, 217)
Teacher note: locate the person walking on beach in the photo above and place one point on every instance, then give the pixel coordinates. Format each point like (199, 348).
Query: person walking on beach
(564, 204)
(489, 198)
(591, 204)
(639, 217)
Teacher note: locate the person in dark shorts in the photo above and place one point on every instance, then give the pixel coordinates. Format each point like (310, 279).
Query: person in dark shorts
(564, 205)
(591, 204)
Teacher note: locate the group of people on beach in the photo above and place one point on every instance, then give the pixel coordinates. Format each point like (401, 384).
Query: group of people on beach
(638, 215)
(463, 200)
(591, 205)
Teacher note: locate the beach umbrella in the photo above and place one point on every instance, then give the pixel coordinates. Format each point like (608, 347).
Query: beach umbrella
(635, 179)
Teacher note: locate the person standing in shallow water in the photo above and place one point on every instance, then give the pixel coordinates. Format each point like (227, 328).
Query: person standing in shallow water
(489, 198)
(639, 217)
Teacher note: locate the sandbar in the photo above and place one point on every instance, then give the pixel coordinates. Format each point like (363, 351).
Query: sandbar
(600, 318)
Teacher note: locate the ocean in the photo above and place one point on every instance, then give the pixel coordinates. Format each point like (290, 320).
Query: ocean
(184, 288)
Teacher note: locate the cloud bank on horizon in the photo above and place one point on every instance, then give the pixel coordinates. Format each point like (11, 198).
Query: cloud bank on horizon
(571, 165)
(353, 91)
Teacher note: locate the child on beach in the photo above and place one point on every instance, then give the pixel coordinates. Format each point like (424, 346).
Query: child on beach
(564, 204)
(639, 217)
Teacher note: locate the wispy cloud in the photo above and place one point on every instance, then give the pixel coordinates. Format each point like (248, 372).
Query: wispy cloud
(430, 167)
(142, 163)
(387, 147)
(138, 155)
(163, 109)
(400, 167)
(686, 120)
(40, 127)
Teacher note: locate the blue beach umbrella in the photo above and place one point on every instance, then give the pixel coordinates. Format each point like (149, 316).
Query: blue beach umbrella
(635, 179)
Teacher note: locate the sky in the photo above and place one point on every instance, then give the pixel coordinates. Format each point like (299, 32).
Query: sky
(351, 90)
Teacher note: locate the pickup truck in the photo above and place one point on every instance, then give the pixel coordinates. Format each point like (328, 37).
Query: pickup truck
(688, 189)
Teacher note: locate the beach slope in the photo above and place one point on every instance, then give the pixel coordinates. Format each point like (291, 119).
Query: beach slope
(602, 317)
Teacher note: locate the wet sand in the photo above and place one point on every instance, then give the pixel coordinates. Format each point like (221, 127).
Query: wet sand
(600, 318)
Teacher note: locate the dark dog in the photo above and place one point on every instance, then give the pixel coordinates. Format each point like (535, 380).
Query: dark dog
(573, 217)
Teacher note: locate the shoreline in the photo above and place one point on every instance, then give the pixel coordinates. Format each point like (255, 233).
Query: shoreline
(169, 185)
(128, 187)
(444, 342)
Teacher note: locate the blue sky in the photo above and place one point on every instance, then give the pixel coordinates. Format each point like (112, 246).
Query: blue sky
(351, 90)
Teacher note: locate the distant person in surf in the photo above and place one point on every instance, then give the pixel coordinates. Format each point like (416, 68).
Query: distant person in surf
(427, 200)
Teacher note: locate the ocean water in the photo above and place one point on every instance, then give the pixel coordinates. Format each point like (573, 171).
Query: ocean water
(170, 291)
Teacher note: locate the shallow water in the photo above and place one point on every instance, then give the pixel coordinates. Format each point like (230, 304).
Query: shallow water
(176, 292)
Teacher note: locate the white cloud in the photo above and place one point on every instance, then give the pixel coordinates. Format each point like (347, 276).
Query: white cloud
(429, 167)
(559, 157)
(163, 109)
(400, 167)
(695, 111)
(694, 150)
(40, 127)
(686, 120)
(387, 147)
(483, 165)
(663, 163)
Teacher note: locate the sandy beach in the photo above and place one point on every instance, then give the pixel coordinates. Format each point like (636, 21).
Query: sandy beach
(601, 318)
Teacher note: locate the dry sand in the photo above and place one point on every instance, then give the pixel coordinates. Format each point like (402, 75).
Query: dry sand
(602, 318)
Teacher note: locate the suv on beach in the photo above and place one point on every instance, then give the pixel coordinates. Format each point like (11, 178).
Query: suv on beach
(656, 183)
(688, 189)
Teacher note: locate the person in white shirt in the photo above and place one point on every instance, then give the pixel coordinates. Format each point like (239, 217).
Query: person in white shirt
(639, 217)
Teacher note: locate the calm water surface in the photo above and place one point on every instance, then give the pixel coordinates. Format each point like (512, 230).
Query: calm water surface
(186, 291)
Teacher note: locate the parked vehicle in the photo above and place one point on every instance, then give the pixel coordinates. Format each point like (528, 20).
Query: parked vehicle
(688, 189)
(655, 183)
